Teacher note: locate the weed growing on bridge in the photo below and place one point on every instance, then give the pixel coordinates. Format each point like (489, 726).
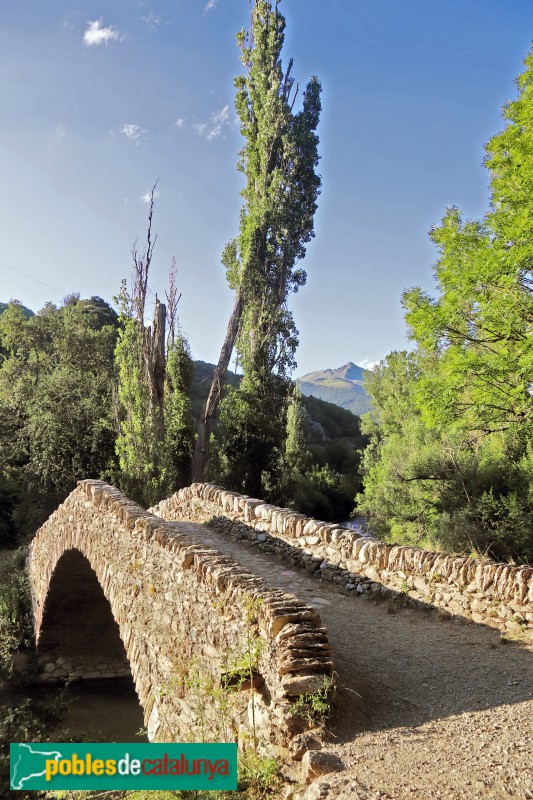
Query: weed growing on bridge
(227, 693)
(316, 707)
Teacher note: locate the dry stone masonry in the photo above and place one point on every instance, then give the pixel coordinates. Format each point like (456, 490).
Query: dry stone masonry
(499, 595)
(215, 653)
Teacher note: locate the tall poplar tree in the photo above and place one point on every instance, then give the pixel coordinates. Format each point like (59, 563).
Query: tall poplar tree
(279, 159)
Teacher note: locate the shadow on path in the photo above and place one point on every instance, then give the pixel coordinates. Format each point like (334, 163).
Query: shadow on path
(396, 666)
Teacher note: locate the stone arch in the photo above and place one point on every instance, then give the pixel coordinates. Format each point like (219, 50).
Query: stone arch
(78, 637)
(185, 614)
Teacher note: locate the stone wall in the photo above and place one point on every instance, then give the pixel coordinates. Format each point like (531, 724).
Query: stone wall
(215, 653)
(499, 595)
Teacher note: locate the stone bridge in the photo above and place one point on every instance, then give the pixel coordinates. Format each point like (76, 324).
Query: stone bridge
(215, 653)
(422, 680)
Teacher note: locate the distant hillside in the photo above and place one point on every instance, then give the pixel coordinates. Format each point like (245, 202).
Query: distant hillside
(333, 422)
(27, 311)
(201, 383)
(342, 386)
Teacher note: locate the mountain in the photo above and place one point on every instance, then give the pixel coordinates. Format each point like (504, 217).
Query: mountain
(343, 387)
(333, 422)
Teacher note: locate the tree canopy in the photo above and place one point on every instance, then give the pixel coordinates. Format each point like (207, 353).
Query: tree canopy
(452, 451)
(278, 160)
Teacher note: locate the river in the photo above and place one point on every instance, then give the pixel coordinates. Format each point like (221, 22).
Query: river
(105, 711)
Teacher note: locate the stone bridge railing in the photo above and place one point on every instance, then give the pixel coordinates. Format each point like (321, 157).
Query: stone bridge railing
(499, 595)
(215, 653)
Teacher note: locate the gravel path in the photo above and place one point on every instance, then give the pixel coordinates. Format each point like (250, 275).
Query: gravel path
(428, 708)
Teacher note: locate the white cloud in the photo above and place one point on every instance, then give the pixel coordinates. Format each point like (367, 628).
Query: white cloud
(60, 131)
(152, 20)
(133, 132)
(146, 198)
(219, 120)
(97, 34)
(179, 122)
(210, 5)
(366, 363)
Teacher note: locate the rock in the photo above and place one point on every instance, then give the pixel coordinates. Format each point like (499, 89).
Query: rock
(319, 762)
(258, 716)
(317, 791)
(373, 574)
(153, 723)
(309, 740)
(296, 685)
(261, 537)
(60, 673)
(363, 552)
(282, 619)
(420, 584)
(311, 527)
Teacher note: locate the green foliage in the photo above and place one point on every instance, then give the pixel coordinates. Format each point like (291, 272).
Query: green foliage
(325, 494)
(442, 487)
(26, 311)
(138, 445)
(201, 383)
(450, 460)
(297, 456)
(315, 708)
(252, 428)
(155, 443)
(16, 628)
(336, 421)
(25, 722)
(56, 425)
(278, 160)
(322, 478)
(179, 432)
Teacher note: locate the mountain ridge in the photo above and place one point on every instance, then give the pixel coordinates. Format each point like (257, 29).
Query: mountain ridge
(343, 386)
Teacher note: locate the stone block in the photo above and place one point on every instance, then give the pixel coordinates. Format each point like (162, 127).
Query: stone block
(319, 762)
(297, 685)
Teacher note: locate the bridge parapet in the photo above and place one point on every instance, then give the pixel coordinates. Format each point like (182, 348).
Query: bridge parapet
(498, 595)
(215, 653)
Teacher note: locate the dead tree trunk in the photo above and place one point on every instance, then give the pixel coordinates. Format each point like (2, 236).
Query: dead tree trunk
(155, 364)
(200, 461)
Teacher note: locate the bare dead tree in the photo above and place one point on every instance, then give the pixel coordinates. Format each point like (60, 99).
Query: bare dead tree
(141, 264)
(200, 461)
(172, 304)
(153, 337)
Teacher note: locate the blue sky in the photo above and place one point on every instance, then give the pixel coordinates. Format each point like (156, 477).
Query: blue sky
(99, 99)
